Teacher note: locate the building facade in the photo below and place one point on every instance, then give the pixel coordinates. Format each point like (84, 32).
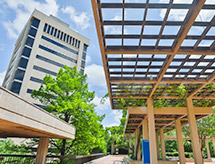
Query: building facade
(44, 46)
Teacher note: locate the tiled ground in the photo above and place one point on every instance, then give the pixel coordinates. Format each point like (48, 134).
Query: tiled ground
(111, 159)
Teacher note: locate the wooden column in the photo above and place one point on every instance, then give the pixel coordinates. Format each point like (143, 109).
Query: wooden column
(194, 132)
(139, 145)
(135, 143)
(180, 143)
(42, 150)
(213, 140)
(157, 143)
(163, 148)
(208, 149)
(145, 129)
(152, 134)
(129, 150)
(112, 148)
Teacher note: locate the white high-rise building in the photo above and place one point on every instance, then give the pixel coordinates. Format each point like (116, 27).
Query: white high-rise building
(44, 46)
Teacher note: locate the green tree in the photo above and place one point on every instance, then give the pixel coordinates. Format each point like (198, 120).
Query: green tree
(67, 96)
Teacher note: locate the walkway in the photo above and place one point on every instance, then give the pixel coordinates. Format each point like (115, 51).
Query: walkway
(109, 159)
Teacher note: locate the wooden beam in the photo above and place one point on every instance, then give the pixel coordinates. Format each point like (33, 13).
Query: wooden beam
(163, 97)
(188, 22)
(101, 44)
(202, 86)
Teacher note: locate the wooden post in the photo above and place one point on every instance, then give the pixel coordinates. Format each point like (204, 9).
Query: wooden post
(163, 148)
(139, 145)
(182, 159)
(145, 129)
(194, 132)
(112, 148)
(129, 150)
(42, 150)
(135, 143)
(152, 134)
(208, 149)
(213, 140)
(157, 143)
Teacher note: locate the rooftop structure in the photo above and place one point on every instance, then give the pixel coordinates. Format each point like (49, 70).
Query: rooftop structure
(148, 50)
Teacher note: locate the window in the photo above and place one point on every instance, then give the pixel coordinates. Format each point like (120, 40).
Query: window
(59, 45)
(23, 63)
(82, 64)
(55, 32)
(29, 91)
(61, 36)
(67, 39)
(19, 75)
(70, 40)
(64, 37)
(26, 52)
(75, 42)
(85, 47)
(16, 86)
(57, 54)
(29, 41)
(58, 34)
(78, 44)
(82, 72)
(49, 61)
(44, 70)
(52, 30)
(35, 22)
(32, 32)
(45, 28)
(84, 56)
(49, 27)
(34, 79)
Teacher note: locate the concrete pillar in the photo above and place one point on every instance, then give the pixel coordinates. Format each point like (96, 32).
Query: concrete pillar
(145, 129)
(163, 148)
(152, 134)
(180, 143)
(194, 132)
(129, 150)
(157, 144)
(208, 149)
(213, 140)
(112, 148)
(42, 150)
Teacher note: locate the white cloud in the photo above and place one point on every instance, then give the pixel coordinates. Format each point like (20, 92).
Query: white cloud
(96, 76)
(88, 59)
(116, 115)
(101, 106)
(80, 19)
(23, 11)
(2, 74)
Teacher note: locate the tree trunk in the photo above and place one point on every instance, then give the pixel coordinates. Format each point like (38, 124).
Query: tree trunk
(63, 149)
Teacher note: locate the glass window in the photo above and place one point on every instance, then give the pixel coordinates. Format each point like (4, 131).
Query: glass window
(26, 52)
(45, 28)
(61, 36)
(78, 44)
(44, 70)
(55, 32)
(52, 30)
(82, 64)
(82, 72)
(19, 75)
(29, 91)
(85, 47)
(23, 63)
(58, 34)
(70, 40)
(29, 41)
(32, 32)
(15, 88)
(35, 22)
(49, 27)
(34, 79)
(64, 37)
(67, 39)
(75, 42)
(84, 56)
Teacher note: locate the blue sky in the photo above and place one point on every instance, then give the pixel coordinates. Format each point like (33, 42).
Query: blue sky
(78, 14)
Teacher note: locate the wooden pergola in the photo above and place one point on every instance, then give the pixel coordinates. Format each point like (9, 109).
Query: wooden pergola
(151, 66)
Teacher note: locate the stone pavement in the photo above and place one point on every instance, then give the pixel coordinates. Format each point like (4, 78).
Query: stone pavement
(110, 159)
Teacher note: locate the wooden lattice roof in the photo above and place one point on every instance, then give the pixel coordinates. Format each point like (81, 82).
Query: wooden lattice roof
(146, 63)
